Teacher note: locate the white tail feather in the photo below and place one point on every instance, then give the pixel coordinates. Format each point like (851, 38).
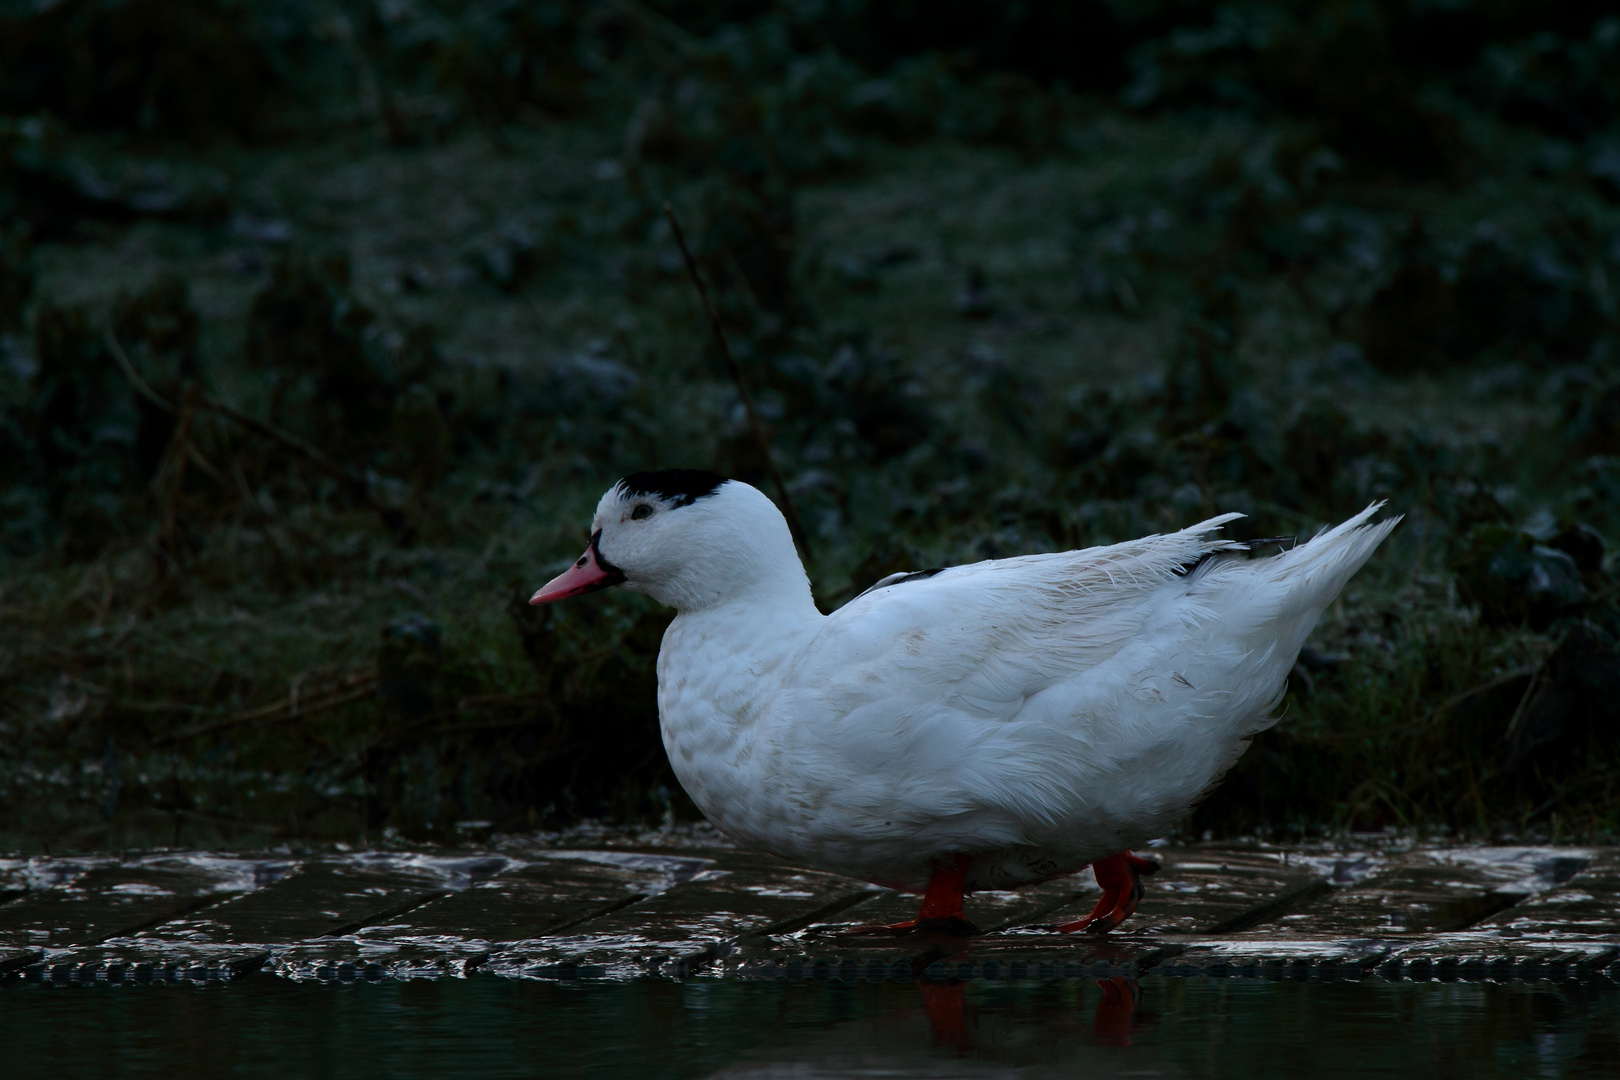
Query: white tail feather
(1318, 570)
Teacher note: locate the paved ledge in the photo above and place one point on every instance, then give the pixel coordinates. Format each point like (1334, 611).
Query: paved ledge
(620, 911)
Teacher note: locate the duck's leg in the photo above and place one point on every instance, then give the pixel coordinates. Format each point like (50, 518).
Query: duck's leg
(941, 911)
(1121, 879)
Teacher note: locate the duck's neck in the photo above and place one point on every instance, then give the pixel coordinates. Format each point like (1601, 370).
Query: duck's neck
(776, 592)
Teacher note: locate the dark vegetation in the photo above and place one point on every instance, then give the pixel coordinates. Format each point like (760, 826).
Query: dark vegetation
(322, 326)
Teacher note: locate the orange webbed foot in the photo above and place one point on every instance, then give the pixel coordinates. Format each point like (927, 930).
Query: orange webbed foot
(1121, 879)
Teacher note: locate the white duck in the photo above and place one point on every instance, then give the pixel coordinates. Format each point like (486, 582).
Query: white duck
(982, 726)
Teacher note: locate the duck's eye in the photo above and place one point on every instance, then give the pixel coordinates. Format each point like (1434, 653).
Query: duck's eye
(641, 512)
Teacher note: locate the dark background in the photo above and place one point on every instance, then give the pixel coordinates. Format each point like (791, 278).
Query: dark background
(323, 325)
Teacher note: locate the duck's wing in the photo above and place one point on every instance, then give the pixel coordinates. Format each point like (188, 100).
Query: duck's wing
(1033, 688)
(991, 635)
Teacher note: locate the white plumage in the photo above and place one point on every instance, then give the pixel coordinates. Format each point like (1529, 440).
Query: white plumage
(1032, 714)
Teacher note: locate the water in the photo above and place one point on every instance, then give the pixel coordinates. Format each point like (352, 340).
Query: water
(487, 1026)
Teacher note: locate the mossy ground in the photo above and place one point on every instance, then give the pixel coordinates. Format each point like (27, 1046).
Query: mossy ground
(983, 315)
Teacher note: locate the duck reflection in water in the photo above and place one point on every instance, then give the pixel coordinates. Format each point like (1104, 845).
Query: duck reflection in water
(1118, 1017)
(948, 1030)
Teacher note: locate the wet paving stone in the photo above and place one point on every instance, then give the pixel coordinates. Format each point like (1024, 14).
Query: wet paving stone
(684, 929)
(991, 911)
(313, 899)
(1457, 913)
(1425, 892)
(1279, 955)
(1210, 890)
(12, 890)
(1435, 908)
(551, 894)
(18, 877)
(1581, 903)
(104, 902)
(1568, 929)
(459, 932)
(17, 959)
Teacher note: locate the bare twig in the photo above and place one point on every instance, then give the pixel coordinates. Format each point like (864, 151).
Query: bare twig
(421, 725)
(295, 706)
(662, 27)
(742, 387)
(204, 465)
(1474, 691)
(170, 478)
(134, 376)
(295, 444)
(358, 484)
(1537, 678)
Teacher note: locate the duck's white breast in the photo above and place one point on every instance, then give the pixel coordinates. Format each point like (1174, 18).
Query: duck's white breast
(719, 680)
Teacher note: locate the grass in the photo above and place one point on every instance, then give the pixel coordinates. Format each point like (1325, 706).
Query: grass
(966, 346)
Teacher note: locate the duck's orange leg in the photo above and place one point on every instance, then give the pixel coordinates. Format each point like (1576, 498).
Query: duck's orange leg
(1121, 879)
(941, 911)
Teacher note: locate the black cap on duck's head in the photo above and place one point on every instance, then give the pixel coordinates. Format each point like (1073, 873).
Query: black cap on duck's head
(687, 538)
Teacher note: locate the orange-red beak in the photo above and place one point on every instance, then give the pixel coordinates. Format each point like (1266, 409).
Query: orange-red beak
(590, 573)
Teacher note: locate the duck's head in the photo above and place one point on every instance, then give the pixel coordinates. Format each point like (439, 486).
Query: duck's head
(689, 539)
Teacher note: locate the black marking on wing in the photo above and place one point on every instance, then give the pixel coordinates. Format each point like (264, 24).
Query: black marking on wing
(681, 487)
(901, 579)
(1284, 543)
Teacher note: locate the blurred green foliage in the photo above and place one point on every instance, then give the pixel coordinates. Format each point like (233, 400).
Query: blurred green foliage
(187, 68)
(324, 322)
